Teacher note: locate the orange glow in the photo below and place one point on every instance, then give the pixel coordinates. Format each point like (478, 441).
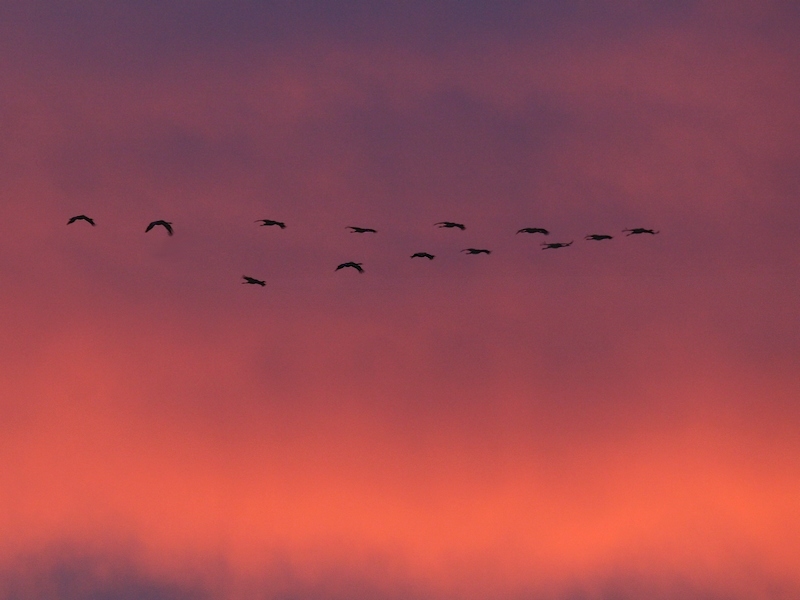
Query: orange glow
(512, 502)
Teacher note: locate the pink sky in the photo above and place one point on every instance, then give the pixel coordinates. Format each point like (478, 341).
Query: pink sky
(610, 420)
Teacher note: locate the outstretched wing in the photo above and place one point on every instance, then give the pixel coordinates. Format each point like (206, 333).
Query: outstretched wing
(80, 218)
(354, 265)
(450, 224)
(163, 223)
(253, 280)
(266, 222)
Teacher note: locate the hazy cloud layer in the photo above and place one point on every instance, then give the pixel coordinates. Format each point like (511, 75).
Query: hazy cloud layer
(609, 420)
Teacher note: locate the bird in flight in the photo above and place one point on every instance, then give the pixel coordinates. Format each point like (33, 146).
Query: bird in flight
(165, 224)
(422, 255)
(638, 230)
(476, 251)
(253, 281)
(553, 245)
(81, 218)
(268, 222)
(598, 237)
(360, 229)
(534, 230)
(450, 225)
(354, 265)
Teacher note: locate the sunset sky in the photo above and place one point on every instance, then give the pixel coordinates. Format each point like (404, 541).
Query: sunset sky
(611, 420)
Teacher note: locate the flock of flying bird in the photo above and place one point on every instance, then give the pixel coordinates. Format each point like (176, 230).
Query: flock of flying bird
(441, 224)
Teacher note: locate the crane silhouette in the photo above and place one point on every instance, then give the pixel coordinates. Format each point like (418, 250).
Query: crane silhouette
(534, 230)
(639, 230)
(165, 224)
(450, 225)
(253, 281)
(353, 265)
(476, 251)
(360, 229)
(422, 255)
(81, 218)
(598, 237)
(554, 245)
(269, 222)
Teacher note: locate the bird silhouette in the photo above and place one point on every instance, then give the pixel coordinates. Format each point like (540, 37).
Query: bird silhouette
(253, 281)
(534, 230)
(450, 225)
(165, 224)
(360, 229)
(553, 245)
(598, 237)
(476, 251)
(81, 218)
(422, 255)
(639, 230)
(268, 222)
(354, 265)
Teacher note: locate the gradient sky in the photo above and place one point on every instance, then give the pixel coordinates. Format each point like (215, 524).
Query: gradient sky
(614, 420)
